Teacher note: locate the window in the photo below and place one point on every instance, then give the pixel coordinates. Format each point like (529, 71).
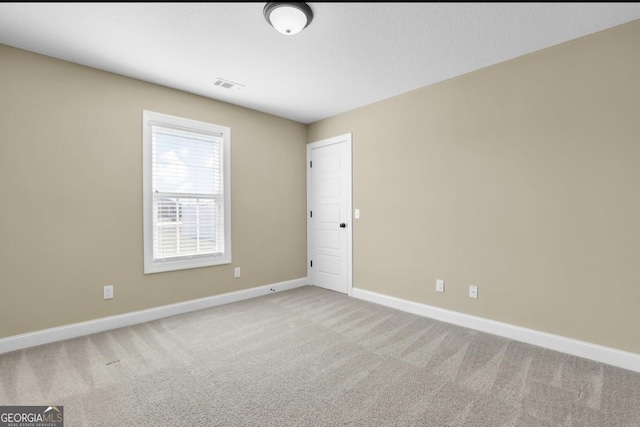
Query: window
(187, 221)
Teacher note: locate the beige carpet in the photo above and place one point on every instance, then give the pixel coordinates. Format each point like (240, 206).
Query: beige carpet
(311, 357)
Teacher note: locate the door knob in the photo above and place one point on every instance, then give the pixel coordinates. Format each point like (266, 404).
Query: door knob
(343, 225)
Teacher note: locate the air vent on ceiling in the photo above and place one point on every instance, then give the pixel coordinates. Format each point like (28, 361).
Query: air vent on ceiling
(226, 84)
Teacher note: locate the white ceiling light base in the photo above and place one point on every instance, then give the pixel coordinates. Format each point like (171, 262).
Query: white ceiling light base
(288, 18)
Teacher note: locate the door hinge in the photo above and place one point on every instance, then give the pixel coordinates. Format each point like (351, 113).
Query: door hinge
(311, 214)
(311, 164)
(311, 263)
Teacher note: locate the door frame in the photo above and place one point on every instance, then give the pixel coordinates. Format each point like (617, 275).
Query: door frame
(340, 139)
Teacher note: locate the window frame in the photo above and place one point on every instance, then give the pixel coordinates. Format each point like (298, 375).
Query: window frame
(152, 265)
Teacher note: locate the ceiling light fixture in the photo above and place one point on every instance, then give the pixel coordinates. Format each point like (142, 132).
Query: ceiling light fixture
(288, 18)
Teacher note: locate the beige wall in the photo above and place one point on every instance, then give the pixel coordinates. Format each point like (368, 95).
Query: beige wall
(522, 178)
(71, 195)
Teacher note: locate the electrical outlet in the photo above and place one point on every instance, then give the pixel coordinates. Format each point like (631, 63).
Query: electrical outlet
(357, 214)
(473, 291)
(236, 272)
(108, 292)
(440, 285)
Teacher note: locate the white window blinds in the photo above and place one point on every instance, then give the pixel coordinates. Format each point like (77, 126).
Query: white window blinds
(187, 196)
(188, 202)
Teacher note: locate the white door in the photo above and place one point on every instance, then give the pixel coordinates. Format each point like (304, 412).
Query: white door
(329, 223)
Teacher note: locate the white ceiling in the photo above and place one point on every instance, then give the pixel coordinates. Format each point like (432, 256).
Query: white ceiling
(351, 55)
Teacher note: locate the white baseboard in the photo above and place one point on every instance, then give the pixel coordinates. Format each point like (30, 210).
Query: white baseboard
(598, 353)
(31, 339)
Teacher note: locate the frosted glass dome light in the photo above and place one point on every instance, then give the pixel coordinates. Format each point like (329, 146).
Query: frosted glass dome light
(288, 18)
